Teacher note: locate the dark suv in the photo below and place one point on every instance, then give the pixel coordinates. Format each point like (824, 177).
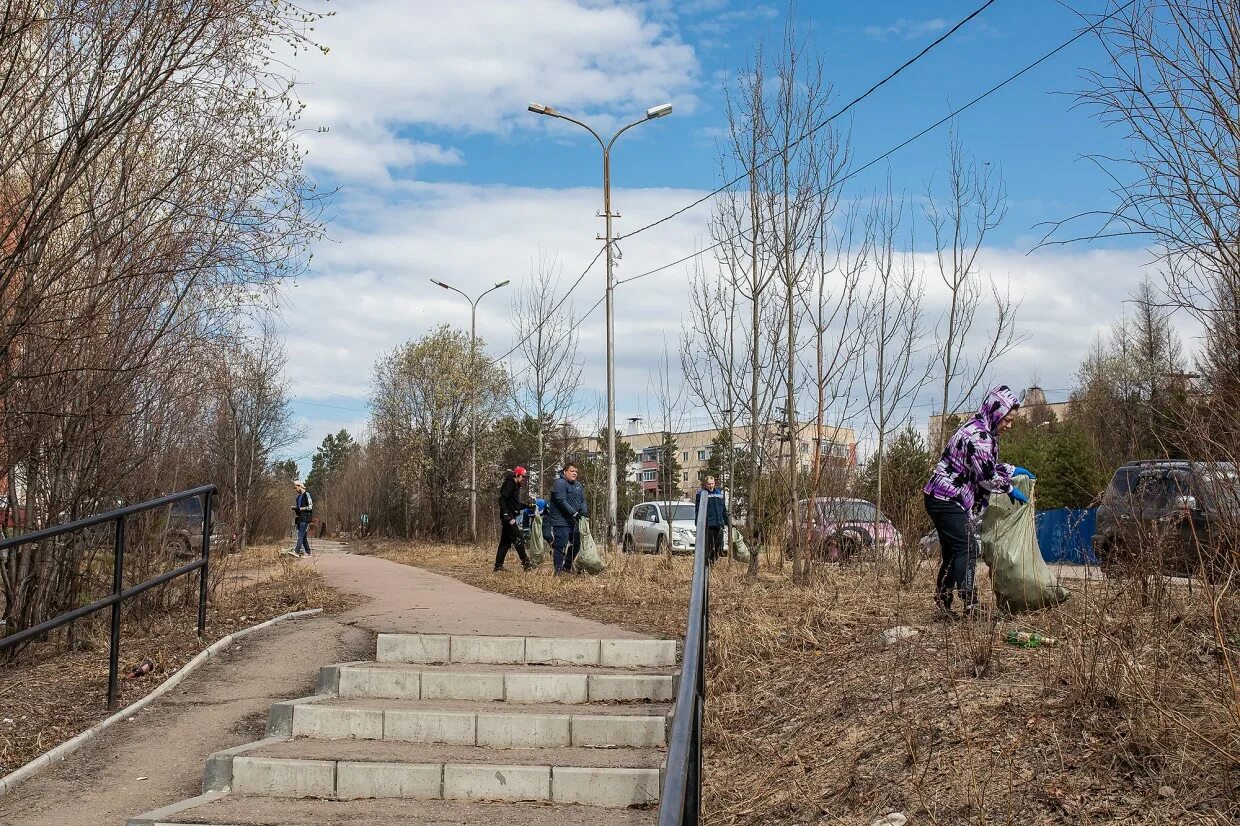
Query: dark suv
(183, 530)
(1173, 518)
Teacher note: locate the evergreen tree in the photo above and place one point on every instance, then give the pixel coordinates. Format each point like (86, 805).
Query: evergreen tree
(328, 459)
(669, 468)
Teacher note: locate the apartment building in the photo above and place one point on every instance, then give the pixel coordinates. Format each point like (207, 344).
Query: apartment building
(1033, 403)
(837, 445)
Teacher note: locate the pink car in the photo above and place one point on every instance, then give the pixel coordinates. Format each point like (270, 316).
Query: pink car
(841, 528)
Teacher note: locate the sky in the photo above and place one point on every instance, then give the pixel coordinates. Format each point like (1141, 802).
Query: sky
(416, 119)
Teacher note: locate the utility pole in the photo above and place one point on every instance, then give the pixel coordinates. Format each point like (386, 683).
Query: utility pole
(473, 403)
(651, 114)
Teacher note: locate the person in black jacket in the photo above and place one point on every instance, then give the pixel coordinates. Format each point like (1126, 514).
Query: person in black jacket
(511, 503)
(716, 517)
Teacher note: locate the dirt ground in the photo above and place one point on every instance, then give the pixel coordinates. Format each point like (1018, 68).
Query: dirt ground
(51, 694)
(1132, 717)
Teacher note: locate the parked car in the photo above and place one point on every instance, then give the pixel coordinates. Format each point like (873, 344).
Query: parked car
(183, 531)
(651, 526)
(844, 527)
(1177, 518)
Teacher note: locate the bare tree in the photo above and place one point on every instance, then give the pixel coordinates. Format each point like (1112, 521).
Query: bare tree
(1170, 85)
(974, 203)
(552, 372)
(800, 184)
(745, 261)
(253, 423)
(666, 401)
(895, 329)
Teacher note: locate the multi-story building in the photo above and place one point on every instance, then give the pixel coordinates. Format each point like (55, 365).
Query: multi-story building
(837, 445)
(1032, 403)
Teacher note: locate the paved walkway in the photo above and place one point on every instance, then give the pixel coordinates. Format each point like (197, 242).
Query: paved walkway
(158, 757)
(412, 600)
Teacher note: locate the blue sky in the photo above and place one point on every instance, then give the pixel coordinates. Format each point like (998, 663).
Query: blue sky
(442, 173)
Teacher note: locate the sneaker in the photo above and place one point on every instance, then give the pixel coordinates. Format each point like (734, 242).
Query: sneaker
(497, 569)
(528, 566)
(301, 556)
(288, 552)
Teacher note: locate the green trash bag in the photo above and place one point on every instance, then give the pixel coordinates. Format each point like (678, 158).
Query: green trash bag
(1009, 535)
(740, 551)
(536, 548)
(587, 559)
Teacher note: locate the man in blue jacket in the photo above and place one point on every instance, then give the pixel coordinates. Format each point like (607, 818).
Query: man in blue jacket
(716, 517)
(568, 504)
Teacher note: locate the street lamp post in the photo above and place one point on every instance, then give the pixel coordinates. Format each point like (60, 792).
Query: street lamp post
(651, 114)
(473, 405)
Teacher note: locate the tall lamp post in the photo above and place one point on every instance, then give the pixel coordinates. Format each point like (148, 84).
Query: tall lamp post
(473, 406)
(651, 114)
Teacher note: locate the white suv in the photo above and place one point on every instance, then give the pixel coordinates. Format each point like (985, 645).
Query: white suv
(652, 525)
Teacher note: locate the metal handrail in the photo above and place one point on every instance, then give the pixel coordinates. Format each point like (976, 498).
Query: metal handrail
(680, 803)
(120, 594)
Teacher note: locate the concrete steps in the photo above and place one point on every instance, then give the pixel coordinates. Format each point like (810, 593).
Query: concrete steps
(443, 648)
(499, 683)
(218, 809)
(456, 722)
(511, 725)
(352, 769)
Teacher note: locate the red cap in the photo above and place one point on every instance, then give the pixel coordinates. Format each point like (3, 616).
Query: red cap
(518, 471)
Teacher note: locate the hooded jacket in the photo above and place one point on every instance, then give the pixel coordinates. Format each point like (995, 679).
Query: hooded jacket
(511, 502)
(969, 469)
(567, 498)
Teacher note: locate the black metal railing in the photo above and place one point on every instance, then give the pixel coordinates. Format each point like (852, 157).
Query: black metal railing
(119, 594)
(680, 803)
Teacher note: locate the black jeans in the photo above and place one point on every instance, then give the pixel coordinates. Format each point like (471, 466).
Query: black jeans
(510, 537)
(714, 543)
(959, 549)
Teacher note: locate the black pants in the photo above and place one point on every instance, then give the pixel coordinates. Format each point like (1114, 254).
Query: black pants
(959, 549)
(510, 537)
(714, 543)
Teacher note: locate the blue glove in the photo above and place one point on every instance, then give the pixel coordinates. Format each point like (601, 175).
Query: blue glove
(1017, 495)
(541, 503)
(1020, 471)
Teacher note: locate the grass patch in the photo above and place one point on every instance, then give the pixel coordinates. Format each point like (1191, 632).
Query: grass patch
(812, 717)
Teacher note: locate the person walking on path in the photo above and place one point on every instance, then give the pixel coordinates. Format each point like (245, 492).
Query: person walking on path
(303, 512)
(511, 505)
(716, 517)
(959, 491)
(568, 506)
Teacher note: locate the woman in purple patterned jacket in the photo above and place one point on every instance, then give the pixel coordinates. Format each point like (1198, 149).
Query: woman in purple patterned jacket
(959, 490)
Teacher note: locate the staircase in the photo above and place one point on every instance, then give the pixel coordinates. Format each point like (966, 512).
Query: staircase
(456, 730)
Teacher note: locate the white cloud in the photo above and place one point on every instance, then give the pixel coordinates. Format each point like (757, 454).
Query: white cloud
(472, 67)
(370, 289)
(905, 29)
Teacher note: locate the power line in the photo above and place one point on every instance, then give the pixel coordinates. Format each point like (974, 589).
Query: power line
(874, 88)
(898, 147)
(891, 76)
(557, 306)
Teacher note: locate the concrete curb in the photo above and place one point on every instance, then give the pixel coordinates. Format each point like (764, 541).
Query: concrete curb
(43, 761)
(164, 815)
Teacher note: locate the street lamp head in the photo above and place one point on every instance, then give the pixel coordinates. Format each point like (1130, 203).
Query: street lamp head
(659, 111)
(539, 109)
(440, 284)
(503, 283)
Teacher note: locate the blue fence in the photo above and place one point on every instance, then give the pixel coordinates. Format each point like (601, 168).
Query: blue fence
(1066, 534)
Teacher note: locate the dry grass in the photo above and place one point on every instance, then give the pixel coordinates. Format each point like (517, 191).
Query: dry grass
(50, 695)
(813, 718)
